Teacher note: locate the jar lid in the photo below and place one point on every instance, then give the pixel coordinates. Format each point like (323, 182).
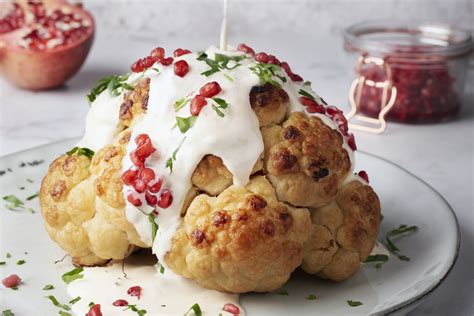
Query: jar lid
(382, 38)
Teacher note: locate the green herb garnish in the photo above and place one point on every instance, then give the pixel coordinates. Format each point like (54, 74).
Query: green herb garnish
(72, 275)
(8, 255)
(306, 94)
(282, 292)
(63, 313)
(162, 269)
(354, 303)
(48, 287)
(220, 62)
(181, 103)
(185, 123)
(221, 105)
(267, 73)
(401, 231)
(57, 304)
(91, 304)
(29, 180)
(75, 300)
(81, 151)
(2, 263)
(154, 226)
(7, 312)
(307, 83)
(170, 161)
(20, 262)
(15, 204)
(115, 85)
(133, 308)
(311, 297)
(196, 308)
(377, 259)
(31, 197)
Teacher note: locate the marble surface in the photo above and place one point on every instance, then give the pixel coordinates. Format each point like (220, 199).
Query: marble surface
(442, 154)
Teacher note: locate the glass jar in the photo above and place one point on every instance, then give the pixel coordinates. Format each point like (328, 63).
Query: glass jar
(420, 67)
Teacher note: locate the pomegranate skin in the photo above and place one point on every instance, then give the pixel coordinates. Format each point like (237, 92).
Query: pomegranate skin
(43, 69)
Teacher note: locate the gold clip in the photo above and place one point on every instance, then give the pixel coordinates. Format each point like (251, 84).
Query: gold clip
(355, 93)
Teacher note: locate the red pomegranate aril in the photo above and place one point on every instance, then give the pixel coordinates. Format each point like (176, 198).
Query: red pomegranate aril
(306, 101)
(139, 185)
(129, 176)
(341, 122)
(136, 160)
(132, 199)
(135, 291)
(137, 66)
(296, 78)
(261, 58)
(351, 141)
(151, 199)
(146, 175)
(120, 303)
(148, 61)
(332, 111)
(210, 89)
(158, 53)
(166, 198)
(316, 109)
(167, 61)
(142, 139)
(245, 49)
(180, 52)
(231, 308)
(94, 311)
(11, 281)
(197, 103)
(286, 68)
(364, 175)
(181, 68)
(155, 187)
(273, 60)
(144, 151)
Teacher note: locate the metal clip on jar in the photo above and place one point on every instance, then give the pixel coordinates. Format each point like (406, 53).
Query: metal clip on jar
(406, 73)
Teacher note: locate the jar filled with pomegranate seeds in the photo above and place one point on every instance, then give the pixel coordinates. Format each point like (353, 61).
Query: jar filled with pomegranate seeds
(415, 71)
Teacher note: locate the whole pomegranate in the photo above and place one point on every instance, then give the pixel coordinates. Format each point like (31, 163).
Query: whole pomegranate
(43, 43)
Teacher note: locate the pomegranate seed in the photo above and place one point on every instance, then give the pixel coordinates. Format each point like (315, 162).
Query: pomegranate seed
(144, 151)
(364, 175)
(137, 66)
(332, 110)
(181, 68)
(11, 281)
(351, 141)
(146, 175)
(245, 49)
(273, 60)
(167, 61)
(139, 186)
(94, 311)
(316, 109)
(231, 308)
(142, 139)
(261, 58)
(341, 122)
(166, 198)
(155, 187)
(158, 53)
(210, 89)
(180, 52)
(286, 68)
(120, 303)
(134, 200)
(307, 101)
(128, 177)
(147, 62)
(151, 199)
(197, 103)
(135, 291)
(137, 161)
(296, 78)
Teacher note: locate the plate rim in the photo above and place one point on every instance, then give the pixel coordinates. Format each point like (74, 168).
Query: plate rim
(398, 307)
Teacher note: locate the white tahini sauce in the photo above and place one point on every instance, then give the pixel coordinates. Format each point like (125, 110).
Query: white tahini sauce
(235, 138)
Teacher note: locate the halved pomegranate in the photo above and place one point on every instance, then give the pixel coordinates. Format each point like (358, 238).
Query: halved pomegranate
(43, 43)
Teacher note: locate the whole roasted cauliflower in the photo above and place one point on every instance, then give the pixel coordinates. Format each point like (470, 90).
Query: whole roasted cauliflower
(301, 206)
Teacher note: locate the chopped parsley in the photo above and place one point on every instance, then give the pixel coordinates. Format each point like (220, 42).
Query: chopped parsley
(311, 297)
(221, 62)
(31, 197)
(20, 262)
(48, 287)
(15, 204)
(181, 103)
(72, 275)
(75, 300)
(81, 151)
(267, 73)
(115, 85)
(57, 304)
(91, 304)
(221, 105)
(7, 312)
(170, 161)
(185, 123)
(306, 94)
(229, 77)
(2, 263)
(282, 292)
(154, 226)
(162, 269)
(401, 231)
(8, 255)
(353, 303)
(379, 260)
(133, 308)
(307, 83)
(29, 180)
(196, 309)
(63, 313)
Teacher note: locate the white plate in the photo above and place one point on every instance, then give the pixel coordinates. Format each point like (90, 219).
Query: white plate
(396, 287)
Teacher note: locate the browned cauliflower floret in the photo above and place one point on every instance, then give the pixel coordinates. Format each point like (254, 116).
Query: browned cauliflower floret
(269, 103)
(343, 233)
(134, 103)
(83, 206)
(242, 240)
(305, 160)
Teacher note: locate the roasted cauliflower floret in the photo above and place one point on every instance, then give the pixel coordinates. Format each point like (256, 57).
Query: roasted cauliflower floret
(242, 240)
(134, 103)
(343, 233)
(83, 206)
(269, 103)
(305, 160)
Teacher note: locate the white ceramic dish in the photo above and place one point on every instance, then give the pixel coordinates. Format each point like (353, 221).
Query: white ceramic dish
(395, 288)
